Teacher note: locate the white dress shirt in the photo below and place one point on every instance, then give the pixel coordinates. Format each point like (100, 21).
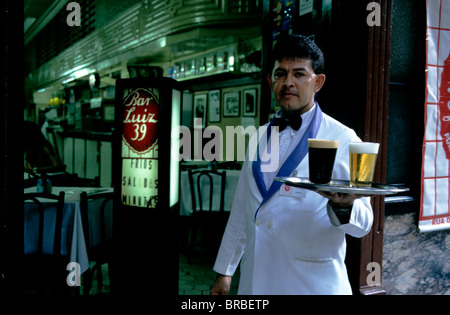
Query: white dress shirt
(288, 140)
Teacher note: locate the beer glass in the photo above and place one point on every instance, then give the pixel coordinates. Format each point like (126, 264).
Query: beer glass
(363, 156)
(321, 160)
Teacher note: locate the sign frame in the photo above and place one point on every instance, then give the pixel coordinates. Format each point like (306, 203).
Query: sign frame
(166, 87)
(140, 232)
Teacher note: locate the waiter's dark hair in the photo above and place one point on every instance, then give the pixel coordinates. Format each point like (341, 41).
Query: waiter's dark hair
(298, 46)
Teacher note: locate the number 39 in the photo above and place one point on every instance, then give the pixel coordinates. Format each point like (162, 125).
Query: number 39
(140, 131)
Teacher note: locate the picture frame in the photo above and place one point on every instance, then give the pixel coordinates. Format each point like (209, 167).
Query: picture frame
(214, 106)
(199, 111)
(249, 101)
(231, 104)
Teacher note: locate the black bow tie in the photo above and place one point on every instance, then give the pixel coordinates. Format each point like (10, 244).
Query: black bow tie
(282, 123)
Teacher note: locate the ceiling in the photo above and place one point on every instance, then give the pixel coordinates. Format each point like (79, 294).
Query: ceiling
(37, 13)
(179, 45)
(33, 10)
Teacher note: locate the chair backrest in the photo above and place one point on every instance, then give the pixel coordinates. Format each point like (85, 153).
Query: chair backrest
(37, 199)
(84, 206)
(197, 189)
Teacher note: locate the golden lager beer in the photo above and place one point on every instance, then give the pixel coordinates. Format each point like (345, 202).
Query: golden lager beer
(321, 160)
(363, 157)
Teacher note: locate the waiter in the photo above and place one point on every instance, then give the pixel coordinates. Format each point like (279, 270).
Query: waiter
(292, 243)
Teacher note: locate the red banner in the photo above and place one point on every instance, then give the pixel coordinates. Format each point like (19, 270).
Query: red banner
(435, 201)
(444, 106)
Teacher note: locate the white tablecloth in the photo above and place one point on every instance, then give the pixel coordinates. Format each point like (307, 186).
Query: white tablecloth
(230, 189)
(72, 235)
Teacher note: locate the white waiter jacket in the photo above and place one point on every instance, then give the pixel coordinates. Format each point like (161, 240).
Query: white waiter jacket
(292, 244)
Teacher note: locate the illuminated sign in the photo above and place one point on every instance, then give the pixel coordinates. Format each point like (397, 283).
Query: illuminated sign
(139, 182)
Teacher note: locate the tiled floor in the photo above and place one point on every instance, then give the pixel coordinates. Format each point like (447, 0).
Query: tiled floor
(198, 278)
(415, 263)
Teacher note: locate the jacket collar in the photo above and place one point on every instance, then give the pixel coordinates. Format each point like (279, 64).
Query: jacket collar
(294, 159)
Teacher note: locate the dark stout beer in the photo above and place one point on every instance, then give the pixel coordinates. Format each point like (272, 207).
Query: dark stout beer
(321, 160)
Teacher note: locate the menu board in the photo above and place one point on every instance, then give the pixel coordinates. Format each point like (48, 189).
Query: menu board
(139, 182)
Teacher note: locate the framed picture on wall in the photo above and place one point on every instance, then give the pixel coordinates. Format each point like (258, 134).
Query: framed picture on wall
(231, 104)
(214, 106)
(199, 111)
(250, 103)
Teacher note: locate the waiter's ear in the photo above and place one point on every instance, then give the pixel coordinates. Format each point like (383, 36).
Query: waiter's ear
(320, 81)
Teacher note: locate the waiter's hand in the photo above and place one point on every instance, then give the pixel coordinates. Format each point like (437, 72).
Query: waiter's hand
(340, 200)
(221, 286)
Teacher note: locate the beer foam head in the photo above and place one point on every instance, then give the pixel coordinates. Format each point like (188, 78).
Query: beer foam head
(323, 144)
(364, 147)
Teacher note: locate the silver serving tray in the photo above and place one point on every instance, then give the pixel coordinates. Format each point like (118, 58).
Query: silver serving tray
(342, 186)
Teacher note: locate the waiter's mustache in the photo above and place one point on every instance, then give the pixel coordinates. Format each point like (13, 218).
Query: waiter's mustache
(289, 91)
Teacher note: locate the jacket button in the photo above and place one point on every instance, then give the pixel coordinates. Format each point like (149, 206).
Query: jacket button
(258, 222)
(270, 224)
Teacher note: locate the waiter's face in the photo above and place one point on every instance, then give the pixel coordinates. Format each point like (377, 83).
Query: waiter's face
(294, 83)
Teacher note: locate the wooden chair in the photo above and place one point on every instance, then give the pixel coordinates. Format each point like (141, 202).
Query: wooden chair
(211, 220)
(45, 272)
(100, 253)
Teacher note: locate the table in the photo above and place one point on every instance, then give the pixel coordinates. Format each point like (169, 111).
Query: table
(72, 236)
(230, 189)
